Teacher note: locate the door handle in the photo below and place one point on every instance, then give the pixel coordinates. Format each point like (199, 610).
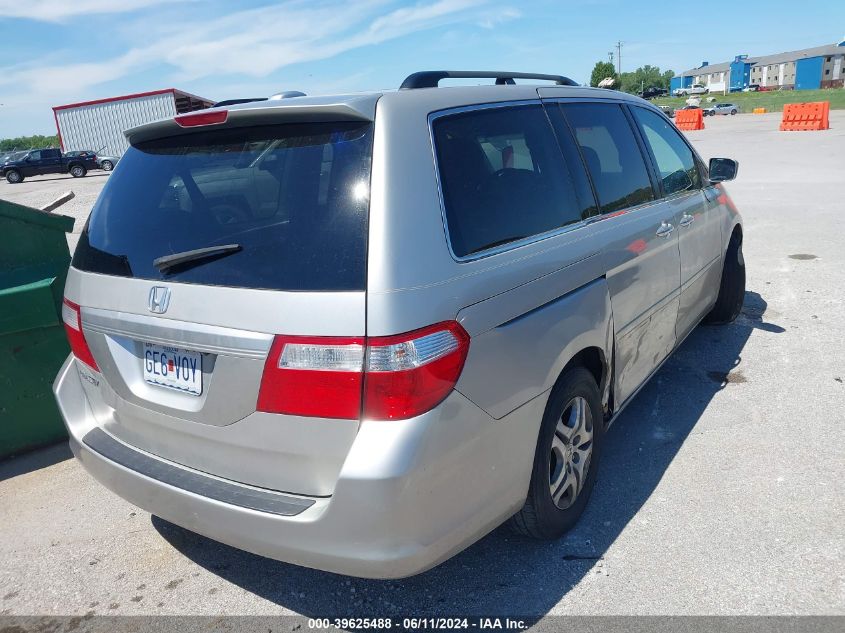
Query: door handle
(686, 220)
(665, 230)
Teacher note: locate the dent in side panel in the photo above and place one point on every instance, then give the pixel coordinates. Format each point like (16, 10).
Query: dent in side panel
(510, 364)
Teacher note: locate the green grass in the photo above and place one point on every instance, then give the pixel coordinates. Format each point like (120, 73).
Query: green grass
(773, 101)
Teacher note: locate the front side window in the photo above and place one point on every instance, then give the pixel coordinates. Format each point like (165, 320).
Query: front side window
(36, 155)
(503, 177)
(674, 159)
(611, 153)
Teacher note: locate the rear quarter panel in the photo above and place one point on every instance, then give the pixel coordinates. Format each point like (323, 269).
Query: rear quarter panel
(523, 356)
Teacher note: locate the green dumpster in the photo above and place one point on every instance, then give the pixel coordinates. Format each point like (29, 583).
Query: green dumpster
(34, 259)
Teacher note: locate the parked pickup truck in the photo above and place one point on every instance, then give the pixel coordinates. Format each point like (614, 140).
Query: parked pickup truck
(651, 93)
(695, 89)
(45, 161)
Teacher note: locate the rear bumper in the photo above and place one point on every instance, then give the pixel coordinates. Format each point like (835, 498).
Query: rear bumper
(410, 494)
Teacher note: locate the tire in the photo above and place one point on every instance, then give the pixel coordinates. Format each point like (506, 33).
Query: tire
(78, 171)
(106, 165)
(541, 517)
(733, 112)
(14, 176)
(732, 287)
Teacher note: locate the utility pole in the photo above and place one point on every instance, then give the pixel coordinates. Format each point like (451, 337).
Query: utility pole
(610, 57)
(619, 58)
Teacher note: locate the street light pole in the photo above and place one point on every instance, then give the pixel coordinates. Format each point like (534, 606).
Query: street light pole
(619, 57)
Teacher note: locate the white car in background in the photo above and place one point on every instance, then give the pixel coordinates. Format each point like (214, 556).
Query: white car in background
(695, 89)
(722, 108)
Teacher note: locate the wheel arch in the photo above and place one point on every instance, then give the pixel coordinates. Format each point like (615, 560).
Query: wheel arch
(594, 360)
(594, 352)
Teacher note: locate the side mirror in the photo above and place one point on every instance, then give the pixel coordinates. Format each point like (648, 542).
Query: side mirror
(723, 169)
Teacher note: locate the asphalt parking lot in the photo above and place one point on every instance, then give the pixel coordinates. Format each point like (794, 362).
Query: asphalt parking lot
(38, 191)
(721, 489)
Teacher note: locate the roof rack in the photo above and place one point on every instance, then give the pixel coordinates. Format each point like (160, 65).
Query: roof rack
(431, 78)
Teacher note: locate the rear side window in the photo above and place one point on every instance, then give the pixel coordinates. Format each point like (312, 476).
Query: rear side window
(293, 198)
(674, 158)
(611, 153)
(503, 177)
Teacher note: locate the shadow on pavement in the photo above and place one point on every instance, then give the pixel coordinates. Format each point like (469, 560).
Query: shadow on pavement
(36, 460)
(503, 574)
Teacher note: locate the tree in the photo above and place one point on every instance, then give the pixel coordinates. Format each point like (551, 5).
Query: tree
(644, 77)
(600, 71)
(28, 142)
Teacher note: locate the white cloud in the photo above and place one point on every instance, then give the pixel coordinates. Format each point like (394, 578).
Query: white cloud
(241, 47)
(69, 78)
(252, 42)
(498, 16)
(60, 10)
(260, 41)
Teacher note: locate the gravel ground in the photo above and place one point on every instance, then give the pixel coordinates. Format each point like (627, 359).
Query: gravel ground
(721, 490)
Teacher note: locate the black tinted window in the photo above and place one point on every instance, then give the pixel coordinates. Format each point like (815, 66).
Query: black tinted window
(503, 177)
(612, 155)
(294, 197)
(674, 158)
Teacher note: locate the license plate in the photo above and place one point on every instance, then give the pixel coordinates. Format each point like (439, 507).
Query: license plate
(173, 367)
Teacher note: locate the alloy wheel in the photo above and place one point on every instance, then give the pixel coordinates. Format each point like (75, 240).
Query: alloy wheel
(572, 450)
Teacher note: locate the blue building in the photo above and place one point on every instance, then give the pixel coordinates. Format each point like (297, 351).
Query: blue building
(807, 69)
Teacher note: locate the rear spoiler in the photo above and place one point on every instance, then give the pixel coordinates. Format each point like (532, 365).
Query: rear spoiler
(302, 109)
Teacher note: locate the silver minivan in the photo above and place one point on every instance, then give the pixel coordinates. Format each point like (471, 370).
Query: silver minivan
(359, 332)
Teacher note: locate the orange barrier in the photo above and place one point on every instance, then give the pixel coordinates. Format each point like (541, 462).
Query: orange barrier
(759, 111)
(806, 116)
(689, 119)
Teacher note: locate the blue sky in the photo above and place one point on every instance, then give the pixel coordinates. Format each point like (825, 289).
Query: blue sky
(62, 51)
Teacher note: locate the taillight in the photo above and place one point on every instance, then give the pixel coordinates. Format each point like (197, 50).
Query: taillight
(202, 118)
(412, 373)
(73, 327)
(313, 376)
(398, 377)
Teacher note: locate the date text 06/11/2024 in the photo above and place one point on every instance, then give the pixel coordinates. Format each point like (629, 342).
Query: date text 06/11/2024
(415, 624)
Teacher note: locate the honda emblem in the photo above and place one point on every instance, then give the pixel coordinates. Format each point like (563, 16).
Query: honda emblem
(159, 299)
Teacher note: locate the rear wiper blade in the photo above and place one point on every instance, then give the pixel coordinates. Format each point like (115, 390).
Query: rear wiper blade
(210, 252)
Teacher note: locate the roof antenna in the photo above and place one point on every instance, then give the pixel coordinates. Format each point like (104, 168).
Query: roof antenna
(287, 94)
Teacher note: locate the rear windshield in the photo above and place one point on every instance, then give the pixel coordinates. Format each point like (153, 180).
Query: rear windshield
(292, 198)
